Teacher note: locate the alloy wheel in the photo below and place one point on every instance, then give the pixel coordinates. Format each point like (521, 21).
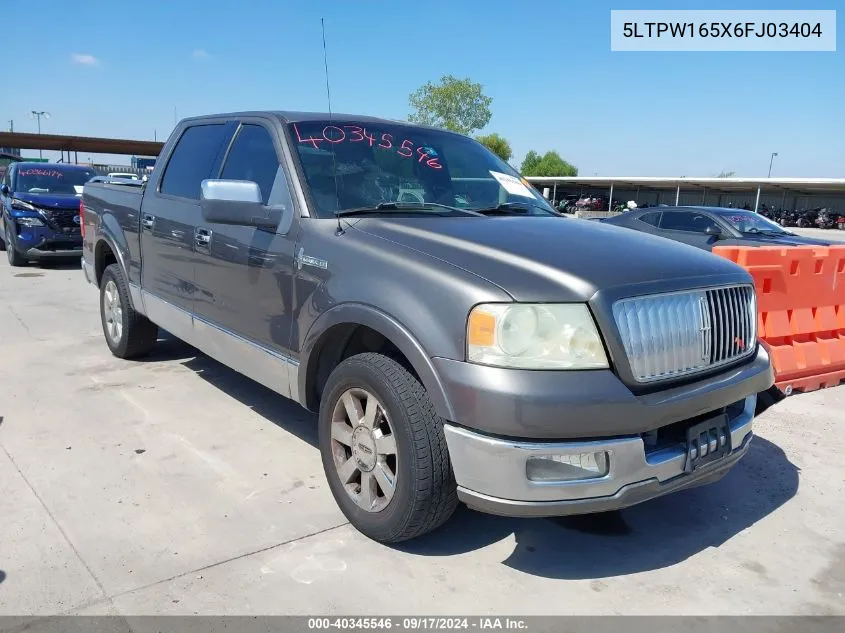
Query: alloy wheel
(112, 312)
(364, 449)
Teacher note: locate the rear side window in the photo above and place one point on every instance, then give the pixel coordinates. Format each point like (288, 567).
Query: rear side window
(192, 160)
(253, 158)
(650, 218)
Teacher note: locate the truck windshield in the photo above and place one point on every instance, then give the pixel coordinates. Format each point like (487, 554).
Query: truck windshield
(51, 179)
(355, 165)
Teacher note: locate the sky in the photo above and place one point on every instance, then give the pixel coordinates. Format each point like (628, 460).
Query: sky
(128, 69)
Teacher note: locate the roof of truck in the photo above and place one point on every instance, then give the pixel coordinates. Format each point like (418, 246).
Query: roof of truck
(292, 116)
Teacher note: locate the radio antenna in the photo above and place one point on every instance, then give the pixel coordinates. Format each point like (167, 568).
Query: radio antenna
(331, 122)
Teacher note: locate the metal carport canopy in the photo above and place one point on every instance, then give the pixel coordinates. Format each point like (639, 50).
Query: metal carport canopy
(89, 144)
(799, 185)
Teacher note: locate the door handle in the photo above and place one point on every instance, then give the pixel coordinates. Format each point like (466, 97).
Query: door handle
(147, 222)
(202, 236)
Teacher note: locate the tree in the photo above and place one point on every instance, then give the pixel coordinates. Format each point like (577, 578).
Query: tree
(455, 104)
(726, 174)
(550, 164)
(497, 144)
(529, 163)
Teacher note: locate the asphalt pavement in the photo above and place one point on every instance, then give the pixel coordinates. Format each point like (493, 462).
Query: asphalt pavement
(173, 485)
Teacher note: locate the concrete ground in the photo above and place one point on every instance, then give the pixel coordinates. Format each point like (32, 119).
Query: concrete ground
(830, 235)
(174, 486)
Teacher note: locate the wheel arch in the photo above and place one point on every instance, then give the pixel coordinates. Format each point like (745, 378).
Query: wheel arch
(335, 323)
(110, 248)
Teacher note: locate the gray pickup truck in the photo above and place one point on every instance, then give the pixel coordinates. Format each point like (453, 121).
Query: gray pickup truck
(460, 340)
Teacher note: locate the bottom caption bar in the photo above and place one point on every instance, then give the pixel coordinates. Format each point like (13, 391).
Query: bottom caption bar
(532, 624)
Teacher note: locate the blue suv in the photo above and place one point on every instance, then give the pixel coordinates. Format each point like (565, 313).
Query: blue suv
(40, 214)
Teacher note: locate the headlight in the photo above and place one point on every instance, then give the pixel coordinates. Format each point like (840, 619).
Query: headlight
(534, 336)
(29, 222)
(20, 205)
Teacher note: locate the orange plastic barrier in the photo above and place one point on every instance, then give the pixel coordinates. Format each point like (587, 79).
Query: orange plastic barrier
(800, 310)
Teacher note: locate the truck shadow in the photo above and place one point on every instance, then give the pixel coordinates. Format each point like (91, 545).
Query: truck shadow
(652, 535)
(60, 264)
(284, 413)
(655, 534)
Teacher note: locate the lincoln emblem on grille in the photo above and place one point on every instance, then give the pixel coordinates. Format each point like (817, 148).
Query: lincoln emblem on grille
(704, 311)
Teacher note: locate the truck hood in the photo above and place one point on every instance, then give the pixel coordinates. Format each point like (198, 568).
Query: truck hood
(781, 240)
(555, 259)
(49, 200)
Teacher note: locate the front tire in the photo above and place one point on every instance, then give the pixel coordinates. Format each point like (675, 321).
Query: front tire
(128, 333)
(15, 257)
(384, 451)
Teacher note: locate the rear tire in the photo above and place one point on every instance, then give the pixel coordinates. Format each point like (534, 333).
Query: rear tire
(128, 333)
(15, 257)
(387, 464)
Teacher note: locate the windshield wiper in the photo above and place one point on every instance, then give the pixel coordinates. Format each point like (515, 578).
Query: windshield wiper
(401, 206)
(768, 232)
(514, 208)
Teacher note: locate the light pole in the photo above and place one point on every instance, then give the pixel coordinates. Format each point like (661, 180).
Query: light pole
(36, 114)
(772, 160)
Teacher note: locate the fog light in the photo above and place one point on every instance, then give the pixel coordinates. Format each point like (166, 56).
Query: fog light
(567, 467)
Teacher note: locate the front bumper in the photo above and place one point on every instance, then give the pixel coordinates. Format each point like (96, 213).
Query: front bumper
(59, 253)
(492, 472)
(39, 243)
(557, 405)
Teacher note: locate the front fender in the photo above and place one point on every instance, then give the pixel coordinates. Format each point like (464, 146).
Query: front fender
(390, 328)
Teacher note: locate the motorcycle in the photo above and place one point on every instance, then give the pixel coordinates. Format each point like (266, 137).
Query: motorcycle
(807, 218)
(827, 219)
(788, 218)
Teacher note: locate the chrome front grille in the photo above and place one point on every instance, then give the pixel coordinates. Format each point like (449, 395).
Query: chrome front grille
(676, 334)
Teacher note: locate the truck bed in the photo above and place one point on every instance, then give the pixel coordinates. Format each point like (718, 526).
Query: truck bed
(113, 208)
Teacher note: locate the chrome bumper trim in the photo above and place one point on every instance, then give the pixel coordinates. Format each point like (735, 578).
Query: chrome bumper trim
(495, 468)
(88, 271)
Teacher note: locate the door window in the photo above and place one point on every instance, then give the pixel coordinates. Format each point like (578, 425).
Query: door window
(192, 160)
(253, 157)
(683, 221)
(650, 218)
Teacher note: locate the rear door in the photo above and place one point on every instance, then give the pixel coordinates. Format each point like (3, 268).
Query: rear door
(244, 274)
(169, 217)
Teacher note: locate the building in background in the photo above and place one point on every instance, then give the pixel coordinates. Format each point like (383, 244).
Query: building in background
(142, 162)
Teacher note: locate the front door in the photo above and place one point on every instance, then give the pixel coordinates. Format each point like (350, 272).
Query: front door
(244, 274)
(689, 227)
(169, 217)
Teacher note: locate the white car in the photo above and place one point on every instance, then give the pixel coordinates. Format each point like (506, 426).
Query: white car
(117, 174)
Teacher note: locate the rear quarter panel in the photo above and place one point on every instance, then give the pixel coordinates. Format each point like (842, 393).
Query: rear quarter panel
(112, 218)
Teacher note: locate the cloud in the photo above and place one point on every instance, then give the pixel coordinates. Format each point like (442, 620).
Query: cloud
(200, 53)
(85, 59)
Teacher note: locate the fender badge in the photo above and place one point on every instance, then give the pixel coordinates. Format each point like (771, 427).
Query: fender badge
(306, 260)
